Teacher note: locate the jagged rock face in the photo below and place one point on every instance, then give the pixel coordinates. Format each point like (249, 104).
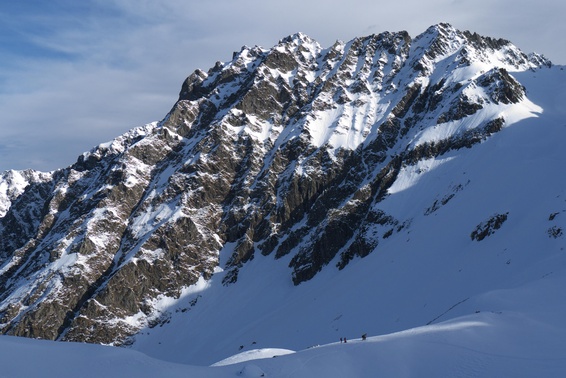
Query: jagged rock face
(283, 152)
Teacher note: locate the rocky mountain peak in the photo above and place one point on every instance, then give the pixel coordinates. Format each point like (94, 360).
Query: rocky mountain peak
(297, 39)
(284, 152)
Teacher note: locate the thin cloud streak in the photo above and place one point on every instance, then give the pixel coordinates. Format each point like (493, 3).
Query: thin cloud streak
(76, 74)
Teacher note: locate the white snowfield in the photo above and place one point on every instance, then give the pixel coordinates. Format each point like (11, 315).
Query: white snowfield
(254, 354)
(526, 337)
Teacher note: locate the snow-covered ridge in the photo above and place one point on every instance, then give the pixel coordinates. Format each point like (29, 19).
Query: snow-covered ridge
(13, 183)
(369, 77)
(119, 144)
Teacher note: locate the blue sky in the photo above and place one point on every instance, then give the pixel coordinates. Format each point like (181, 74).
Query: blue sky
(74, 74)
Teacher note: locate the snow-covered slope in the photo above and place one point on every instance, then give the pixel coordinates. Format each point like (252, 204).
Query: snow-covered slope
(13, 184)
(522, 336)
(297, 195)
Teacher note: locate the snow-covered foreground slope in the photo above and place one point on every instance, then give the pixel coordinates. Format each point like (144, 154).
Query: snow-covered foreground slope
(521, 335)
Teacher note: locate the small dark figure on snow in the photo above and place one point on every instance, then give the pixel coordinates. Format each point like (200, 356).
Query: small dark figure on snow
(341, 339)
(345, 340)
(364, 336)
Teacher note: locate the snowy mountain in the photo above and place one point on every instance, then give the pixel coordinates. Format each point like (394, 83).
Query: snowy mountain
(13, 184)
(300, 194)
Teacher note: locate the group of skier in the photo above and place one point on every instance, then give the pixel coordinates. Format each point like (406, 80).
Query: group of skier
(343, 339)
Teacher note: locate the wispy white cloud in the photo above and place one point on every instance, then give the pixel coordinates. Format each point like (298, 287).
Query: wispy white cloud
(74, 74)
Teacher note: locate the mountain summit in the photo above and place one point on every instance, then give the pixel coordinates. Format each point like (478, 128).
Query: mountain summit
(285, 170)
